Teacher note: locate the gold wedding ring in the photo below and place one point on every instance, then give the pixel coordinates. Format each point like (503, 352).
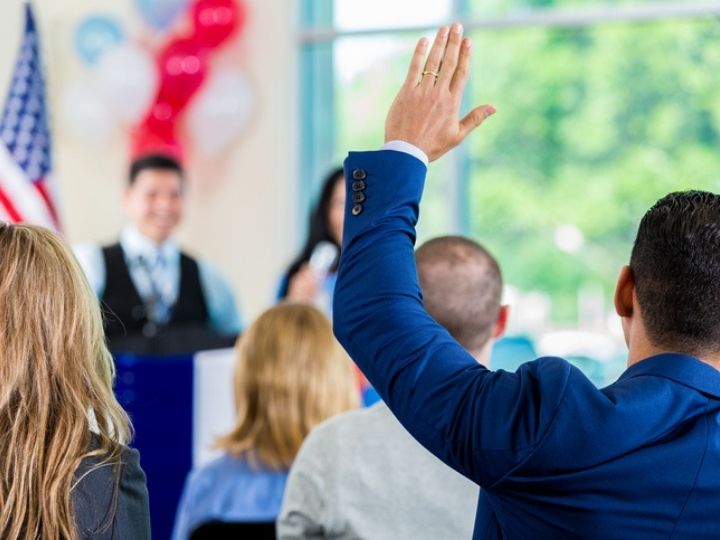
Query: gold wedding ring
(433, 73)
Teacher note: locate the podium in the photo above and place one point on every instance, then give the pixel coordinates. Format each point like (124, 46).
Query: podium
(178, 405)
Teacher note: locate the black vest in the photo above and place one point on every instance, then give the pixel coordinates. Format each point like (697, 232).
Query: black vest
(125, 314)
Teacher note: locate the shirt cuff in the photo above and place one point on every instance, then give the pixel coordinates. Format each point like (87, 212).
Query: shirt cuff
(407, 148)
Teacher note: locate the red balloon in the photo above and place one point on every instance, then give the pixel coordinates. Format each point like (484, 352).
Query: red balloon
(216, 20)
(151, 138)
(156, 135)
(183, 66)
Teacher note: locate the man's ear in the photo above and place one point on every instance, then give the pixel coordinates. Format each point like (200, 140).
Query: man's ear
(624, 292)
(501, 322)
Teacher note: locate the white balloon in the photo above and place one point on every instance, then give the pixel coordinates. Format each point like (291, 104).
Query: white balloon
(85, 115)
(127, 80)
(220, 112)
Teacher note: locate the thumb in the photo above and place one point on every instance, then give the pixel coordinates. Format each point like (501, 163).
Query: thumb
(474, 118)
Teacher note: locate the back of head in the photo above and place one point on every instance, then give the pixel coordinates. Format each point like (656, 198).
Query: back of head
(55, 383)
(676, 266)
(154, 161)
(290, 375)
(462, 288)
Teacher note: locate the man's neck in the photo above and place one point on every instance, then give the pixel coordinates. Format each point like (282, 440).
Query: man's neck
(641, 352)
(132, 236)
(483, 355)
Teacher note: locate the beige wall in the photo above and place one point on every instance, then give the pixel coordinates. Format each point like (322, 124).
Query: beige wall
(241, 207)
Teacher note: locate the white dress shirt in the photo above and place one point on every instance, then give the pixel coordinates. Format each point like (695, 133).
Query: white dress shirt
(407, 148)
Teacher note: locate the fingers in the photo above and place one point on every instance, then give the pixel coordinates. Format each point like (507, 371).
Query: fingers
(425, 113)
(436, 56)
(417, 62)
(474, 118)
(462, 71)
(452, 51)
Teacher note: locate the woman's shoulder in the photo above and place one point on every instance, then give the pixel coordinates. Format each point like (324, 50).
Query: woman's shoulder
(127, 457)
(98, 469)
(223, 466)
(230, 489)
(110, 497)
(229, 470)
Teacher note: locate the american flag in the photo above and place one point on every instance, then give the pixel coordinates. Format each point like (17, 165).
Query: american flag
(25, 194)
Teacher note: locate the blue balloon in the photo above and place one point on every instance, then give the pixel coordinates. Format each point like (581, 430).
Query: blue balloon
(161, 13)
(95, 35)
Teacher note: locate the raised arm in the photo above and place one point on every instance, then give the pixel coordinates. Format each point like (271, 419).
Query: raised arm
(481, 423)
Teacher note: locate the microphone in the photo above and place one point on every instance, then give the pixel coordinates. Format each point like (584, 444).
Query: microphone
(323, 257)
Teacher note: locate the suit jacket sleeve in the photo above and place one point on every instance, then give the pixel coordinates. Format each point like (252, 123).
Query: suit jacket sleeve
(483, 424)
(99, 515)
(133, 517)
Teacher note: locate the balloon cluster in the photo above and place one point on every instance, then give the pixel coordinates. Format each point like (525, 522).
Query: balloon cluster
(182, 68)
(150, 93)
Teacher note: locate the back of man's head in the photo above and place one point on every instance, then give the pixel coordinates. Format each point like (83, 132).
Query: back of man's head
(462, 288)
(154, 161)
(675, 263)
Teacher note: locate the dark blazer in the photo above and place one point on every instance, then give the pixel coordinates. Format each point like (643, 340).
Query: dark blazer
(556, 457)
(94, 502)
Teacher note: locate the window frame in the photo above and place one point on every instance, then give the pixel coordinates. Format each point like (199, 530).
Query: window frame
(316, 37)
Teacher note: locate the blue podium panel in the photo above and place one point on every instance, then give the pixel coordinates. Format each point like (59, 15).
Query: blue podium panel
(157, 393)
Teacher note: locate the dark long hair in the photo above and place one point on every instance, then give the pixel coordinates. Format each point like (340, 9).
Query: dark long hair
(318, 229)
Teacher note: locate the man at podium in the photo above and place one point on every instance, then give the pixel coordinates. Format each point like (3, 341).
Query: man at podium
(157, 299)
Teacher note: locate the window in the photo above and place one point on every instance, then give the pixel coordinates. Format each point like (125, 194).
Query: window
(603, 107)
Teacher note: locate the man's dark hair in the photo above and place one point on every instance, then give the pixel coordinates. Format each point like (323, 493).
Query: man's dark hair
(676, 266)
(154, 161)
(462, 288)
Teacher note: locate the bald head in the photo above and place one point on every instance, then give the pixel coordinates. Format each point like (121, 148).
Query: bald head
(462, 288)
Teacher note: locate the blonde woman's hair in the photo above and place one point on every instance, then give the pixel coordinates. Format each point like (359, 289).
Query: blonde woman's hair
(56, 379)
(290, 375)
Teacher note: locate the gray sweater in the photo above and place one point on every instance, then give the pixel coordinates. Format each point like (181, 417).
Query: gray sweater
(361, 475)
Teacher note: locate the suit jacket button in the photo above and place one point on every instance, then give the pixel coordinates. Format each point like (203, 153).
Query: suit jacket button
(357, 210)
(358, 185)
(358, 197)
(359, 174)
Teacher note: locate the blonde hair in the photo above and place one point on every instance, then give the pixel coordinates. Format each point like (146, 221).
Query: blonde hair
(56, 379)
(290, 375)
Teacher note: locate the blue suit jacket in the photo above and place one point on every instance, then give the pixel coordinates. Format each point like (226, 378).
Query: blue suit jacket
(556, 457)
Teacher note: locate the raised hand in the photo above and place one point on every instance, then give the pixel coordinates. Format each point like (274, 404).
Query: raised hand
(427, 108)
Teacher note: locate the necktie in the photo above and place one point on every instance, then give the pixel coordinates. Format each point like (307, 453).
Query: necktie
(159, 305)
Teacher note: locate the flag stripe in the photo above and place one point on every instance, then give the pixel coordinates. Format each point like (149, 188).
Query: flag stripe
(41, 187)
(9, 207)
(20, 191)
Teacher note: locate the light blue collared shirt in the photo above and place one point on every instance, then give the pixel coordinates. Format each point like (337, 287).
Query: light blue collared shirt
(228, 489)
(222, 309)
